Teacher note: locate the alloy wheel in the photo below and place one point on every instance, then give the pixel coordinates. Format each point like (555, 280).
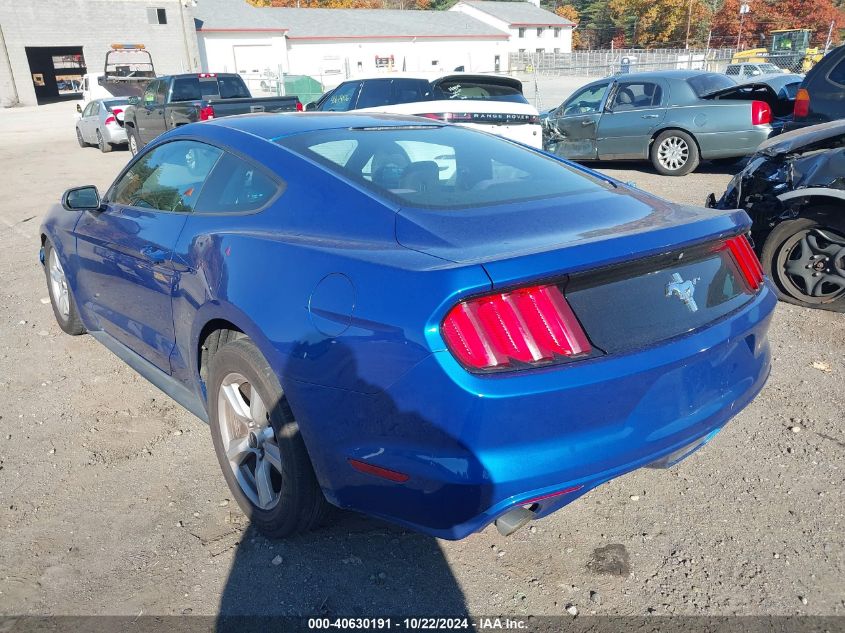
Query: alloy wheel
(133, 145)
(673, 153)
(58, 285)
(249, 441)
(811, 265)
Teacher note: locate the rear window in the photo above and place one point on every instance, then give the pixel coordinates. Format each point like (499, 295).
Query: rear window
(708, 83)
(116, 103)
(382, 92)
(837, 75)
(440, 167)
(475, 90)
(195, 88)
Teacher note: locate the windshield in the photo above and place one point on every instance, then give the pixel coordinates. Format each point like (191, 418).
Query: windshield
(708, 83)
(478, 90)
(439, 167)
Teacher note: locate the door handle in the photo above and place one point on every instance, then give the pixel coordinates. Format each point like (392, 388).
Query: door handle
(586, 123)
(651, 116)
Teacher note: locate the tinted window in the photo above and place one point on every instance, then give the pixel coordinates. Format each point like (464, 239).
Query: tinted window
(586, 101)
(235, 186)
(167, 178)
(374, 93)
(709, 82)
(478, 90)
(342, 98)
(838, 73)
(444, 167)
(196, 88)
(630, 96)
(161, 92)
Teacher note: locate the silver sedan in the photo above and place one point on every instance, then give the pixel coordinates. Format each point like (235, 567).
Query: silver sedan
(101, 124)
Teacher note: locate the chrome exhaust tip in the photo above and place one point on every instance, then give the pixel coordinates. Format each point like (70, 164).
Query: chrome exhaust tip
(512, 520)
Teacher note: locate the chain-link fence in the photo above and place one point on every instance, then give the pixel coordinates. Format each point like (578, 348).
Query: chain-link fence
(600, 63)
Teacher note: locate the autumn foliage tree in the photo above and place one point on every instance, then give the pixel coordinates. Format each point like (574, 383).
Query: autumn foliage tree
(765, 16)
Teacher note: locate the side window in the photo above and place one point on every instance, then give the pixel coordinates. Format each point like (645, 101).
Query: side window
(235, 186)
(837, 75)
(150, 92)
(732, 70)
(338, 152)
(631, 96)
(374, 93)
(748, 71)
(587, 101)
(161, 92)
(342, 98)
(89, 109)
(167, 178)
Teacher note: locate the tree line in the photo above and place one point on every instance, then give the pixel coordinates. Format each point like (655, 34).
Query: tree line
(655, 23)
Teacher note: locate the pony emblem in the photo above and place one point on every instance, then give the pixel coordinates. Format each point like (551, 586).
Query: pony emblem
(683, 290)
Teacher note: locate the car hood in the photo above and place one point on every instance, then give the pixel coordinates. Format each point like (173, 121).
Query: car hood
(824, 136)
(548, 236)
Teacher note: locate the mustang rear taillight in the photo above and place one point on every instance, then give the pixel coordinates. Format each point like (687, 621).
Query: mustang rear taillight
(747, 261)
(761, 113)
(520, 328)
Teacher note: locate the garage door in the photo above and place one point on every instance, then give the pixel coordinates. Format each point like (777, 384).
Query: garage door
(253, 60)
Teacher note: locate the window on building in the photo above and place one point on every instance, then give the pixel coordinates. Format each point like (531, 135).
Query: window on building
(557, 50)
(521, 51)
(521, 32)
(156, 16)
(541, 50)
(539, 31)
(557, 32)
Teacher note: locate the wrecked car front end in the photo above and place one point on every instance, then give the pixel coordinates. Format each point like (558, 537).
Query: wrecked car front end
(797, 178)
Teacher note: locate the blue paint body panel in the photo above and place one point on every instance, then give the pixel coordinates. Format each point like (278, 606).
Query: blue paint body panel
(344, 293)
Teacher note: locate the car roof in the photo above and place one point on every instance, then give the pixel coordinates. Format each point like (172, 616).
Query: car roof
(274, 126)
(660, 74)
(427, 76)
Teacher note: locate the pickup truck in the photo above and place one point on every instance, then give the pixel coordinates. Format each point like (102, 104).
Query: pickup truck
(175, 100)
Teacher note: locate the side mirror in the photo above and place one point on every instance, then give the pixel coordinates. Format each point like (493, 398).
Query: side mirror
(85, 198)
(311, 106)
(79, 108)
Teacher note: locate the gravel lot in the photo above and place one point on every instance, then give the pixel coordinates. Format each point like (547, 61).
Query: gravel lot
(111, 500)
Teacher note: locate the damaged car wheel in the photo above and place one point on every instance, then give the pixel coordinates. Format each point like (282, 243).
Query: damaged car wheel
(806, 260)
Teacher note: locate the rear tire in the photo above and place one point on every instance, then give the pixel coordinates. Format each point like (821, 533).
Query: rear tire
(105, 148)
(134, 143)
(674, 153)
(258, 444)
(61, 298)
(805, 258)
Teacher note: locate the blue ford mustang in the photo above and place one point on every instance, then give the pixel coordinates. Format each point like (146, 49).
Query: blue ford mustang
(410, 319)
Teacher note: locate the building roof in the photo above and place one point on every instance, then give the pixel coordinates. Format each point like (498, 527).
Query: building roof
(518, 13)
(239, 16)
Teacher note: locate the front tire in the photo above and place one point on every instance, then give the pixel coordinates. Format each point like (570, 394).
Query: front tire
(64, 307)
(258, 443)
(806, 260)
(79, 139)
(674, 153)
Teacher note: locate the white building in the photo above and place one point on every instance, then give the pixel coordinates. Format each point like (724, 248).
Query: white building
(530, 28)
(333, 44)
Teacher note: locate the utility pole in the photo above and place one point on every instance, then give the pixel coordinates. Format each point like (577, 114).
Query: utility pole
(743, 9)
(829, 38)
(689, 20)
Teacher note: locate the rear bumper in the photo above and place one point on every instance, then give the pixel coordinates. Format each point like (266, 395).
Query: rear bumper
(526, 133)
(730, 144)
(475, 447)
(114, 134)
